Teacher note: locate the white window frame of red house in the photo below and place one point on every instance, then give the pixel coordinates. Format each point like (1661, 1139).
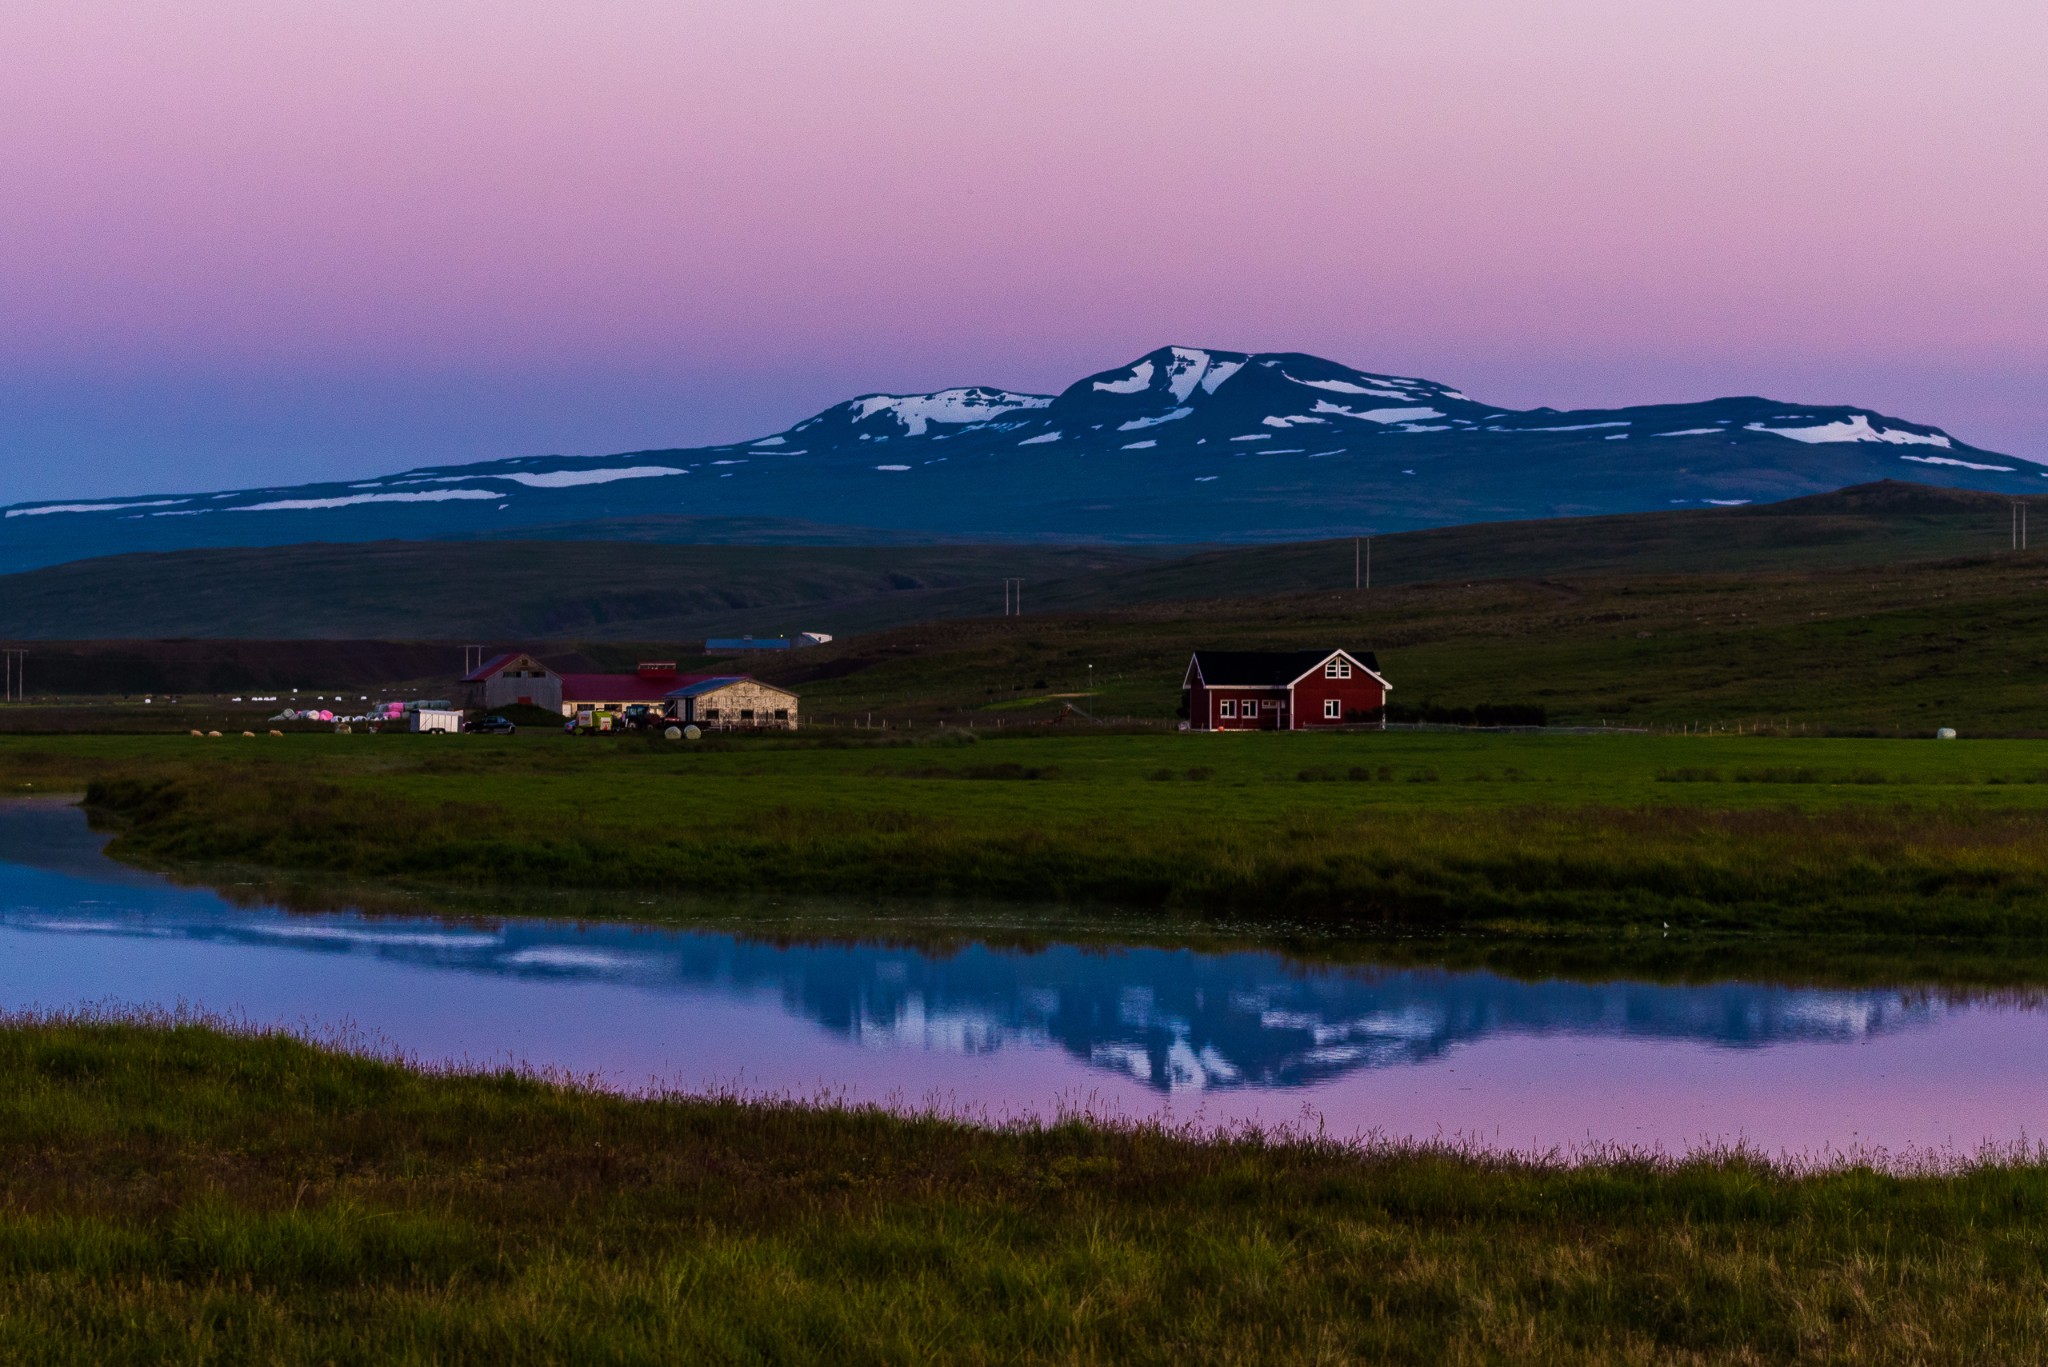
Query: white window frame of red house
(1226, 708)
(1339, 668)
(1251, 707)
(1332, 658)
(1333, 710)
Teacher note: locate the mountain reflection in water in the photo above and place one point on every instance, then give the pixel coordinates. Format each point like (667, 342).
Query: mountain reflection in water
(1212, 1040)
(1171, 1019)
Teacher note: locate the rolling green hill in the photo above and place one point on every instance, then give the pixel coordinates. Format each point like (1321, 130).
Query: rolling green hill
(527, 590)
(600, 590)
(1861, 648)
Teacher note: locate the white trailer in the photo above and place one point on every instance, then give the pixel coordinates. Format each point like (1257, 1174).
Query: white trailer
(436, 719)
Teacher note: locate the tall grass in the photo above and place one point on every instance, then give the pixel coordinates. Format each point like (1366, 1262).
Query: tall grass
(1949, 870)
(170, 1193)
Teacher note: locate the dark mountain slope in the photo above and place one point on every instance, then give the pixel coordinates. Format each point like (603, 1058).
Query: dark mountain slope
(1183, 445)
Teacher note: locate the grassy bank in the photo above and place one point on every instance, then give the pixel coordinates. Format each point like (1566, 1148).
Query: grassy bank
(1608, 835)
(177, 1195)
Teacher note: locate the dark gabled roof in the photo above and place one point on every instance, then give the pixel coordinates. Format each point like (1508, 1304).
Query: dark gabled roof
(1266, 668)
(492, 666)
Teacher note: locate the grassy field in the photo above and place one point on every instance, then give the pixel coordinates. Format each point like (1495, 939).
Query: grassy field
(1899, 650)
(1619, 838)
(170, 1194)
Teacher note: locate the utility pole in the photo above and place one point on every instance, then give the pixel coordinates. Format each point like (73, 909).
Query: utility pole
(1013, 598)
(1368, 562)
(16, 662)
(1354, 562)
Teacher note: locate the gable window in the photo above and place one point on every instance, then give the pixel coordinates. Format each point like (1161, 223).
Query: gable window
(1332, 710)
(1339, 668)
(1226, 708)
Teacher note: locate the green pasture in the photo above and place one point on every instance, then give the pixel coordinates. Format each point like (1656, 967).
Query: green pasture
(1403, 833)
(1873, 650)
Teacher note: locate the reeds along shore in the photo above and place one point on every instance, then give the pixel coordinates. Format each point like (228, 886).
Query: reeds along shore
(173, 1193)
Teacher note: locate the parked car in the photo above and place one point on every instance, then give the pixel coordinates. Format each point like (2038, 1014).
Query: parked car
(493, 725)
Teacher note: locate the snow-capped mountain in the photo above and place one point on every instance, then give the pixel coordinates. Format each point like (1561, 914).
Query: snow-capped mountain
(1181, 445)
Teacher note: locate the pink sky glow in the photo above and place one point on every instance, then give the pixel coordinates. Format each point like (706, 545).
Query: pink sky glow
(260, 240)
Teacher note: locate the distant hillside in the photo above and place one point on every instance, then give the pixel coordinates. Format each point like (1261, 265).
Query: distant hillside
(593, 591)
(525, 590)
(1183, 445)
(1867, 648)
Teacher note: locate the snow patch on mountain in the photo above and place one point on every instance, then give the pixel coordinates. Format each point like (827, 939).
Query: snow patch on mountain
(916, 412)
(1137, 382)
(348, 500)
(1135, 423)
(569, 479)
(1189, 367)
(1382, 415)
(1347, 387)
(1965, 464)
(93, 507)
(1855, 427)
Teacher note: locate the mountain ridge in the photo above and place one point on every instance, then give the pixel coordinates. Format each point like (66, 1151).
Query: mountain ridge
(1184, 444)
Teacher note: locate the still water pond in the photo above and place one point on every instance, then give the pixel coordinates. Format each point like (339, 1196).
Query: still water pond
(1207, 1038)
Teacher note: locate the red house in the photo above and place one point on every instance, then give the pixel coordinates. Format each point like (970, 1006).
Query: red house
(1289, 690)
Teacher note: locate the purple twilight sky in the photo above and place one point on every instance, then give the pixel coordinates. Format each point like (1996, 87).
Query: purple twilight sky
(259, 241)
